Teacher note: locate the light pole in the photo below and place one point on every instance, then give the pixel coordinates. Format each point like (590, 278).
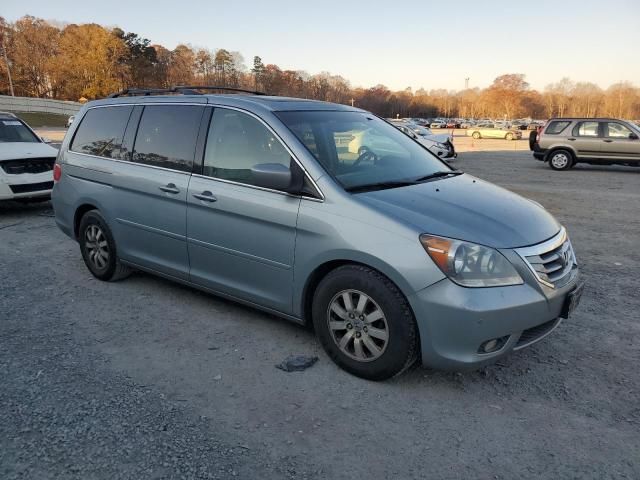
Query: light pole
(6, 61)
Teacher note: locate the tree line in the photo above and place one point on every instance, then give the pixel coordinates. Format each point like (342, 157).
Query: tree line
(89, 61)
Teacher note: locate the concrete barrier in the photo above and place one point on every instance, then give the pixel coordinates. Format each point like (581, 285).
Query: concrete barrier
(44, 105)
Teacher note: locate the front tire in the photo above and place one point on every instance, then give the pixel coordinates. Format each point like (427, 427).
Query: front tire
(508, 136)
(364, 323)
(561, 160)
(98, 248)
(476, 135)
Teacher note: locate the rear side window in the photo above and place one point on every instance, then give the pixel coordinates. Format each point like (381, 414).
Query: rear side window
(101, 132)
(167, 136)
(557, 127)
(586, 129)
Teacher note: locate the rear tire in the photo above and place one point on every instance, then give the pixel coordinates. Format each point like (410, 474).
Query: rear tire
(508, 136)
(476, 135)
(561, 160)
(364, 323)
(98, 248)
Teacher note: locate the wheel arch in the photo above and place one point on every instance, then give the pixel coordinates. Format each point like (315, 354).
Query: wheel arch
(322, 270)
(79, 213)
(555, 148)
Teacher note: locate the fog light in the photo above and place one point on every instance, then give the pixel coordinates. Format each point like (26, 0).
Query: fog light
(493, 345)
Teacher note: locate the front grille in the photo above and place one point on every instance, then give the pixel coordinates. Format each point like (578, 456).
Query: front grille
(551, 261)
(28, 165)
(31, 187)
(533, 334)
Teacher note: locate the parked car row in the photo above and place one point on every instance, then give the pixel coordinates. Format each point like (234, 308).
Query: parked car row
(455, 123)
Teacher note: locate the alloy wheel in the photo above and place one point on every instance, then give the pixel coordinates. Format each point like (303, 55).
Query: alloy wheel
(96, 246)
(358, 325)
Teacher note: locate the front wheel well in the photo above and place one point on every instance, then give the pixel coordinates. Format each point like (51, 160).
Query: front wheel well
(552, 150)
(80, 212)
(316, 277)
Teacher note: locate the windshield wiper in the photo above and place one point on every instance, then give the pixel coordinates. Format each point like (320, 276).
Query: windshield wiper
(433, 175)
(379, 186)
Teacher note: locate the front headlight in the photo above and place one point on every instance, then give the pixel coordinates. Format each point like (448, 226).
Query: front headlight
(442, 146)
(470, 265)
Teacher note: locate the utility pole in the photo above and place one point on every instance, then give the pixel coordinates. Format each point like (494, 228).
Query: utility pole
(6, 61)
(466, 83)
(352, 100)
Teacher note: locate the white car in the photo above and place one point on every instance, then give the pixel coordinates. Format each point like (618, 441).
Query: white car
(70, 120)
(26, 162)
(440, 145)
(438, 124)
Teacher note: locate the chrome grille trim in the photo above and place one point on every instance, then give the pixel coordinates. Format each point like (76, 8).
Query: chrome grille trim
(551, 261)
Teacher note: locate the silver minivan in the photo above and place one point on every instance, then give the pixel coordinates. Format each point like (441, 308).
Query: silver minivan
(391, 255)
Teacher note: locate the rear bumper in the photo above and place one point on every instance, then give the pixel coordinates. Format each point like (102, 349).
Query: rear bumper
(454, 321)
(538, 153)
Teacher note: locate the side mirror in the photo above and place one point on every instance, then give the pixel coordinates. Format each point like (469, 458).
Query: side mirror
(633, 136)
(271, 175)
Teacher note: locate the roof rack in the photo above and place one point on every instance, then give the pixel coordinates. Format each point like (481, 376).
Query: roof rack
(180, 90)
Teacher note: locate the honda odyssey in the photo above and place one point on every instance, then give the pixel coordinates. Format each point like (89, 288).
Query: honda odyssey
(388, 252)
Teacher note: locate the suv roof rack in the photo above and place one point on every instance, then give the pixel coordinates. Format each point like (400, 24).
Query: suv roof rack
(180, 90)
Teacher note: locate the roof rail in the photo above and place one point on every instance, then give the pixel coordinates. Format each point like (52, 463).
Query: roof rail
(180, 90)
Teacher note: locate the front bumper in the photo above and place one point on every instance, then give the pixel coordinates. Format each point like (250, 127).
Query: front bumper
(25, 185)
(454, 321)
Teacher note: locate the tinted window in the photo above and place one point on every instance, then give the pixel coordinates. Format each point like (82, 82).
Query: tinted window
(101, 132)
(236, 142)
(13, 130)
(557, 127)
(167, 136)
(617, 130)
(586, 129)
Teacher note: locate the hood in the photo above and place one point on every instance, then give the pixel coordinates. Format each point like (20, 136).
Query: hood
(442, 138)
(467, 208)
(19, 150)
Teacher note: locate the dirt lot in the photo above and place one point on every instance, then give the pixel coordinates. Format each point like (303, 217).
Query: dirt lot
(147, 379)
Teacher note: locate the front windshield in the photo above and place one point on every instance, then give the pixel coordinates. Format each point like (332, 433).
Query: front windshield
(358, 149)
(15, 131)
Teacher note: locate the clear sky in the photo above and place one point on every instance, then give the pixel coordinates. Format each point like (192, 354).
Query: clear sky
(397, 43)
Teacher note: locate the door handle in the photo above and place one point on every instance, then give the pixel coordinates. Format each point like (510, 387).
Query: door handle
(170, 188)
(205, 196)
(607, 141)
(571, 139)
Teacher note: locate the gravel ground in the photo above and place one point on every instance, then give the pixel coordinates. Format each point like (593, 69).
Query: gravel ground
(148, 379)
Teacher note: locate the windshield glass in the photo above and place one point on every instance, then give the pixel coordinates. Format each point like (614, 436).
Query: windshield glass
(13, 130)
(359, 149)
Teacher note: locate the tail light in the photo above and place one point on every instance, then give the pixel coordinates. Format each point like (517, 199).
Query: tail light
(57, 172)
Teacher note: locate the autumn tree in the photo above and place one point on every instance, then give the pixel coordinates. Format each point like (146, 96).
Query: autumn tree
(88, 62)
(181, 67)
(33, 45)
(73, 61)
(505, 94)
